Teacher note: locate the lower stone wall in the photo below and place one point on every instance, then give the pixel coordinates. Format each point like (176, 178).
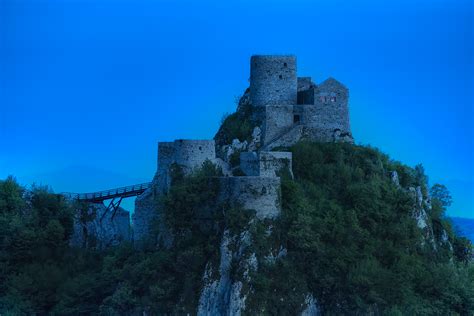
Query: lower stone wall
(145, 211)
(249, 163)
(265, 164)
(288, 139)
(149, 212)
(326, 135)
(273, 162)
(278, 120)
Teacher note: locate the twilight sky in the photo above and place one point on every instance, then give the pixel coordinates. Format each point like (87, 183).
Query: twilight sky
(88, 87)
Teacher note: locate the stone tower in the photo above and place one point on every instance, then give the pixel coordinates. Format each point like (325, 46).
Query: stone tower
(273, 80)
(273, 93)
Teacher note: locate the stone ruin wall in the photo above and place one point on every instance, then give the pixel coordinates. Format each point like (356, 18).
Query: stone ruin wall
(278, 121)
(186, 153)
(260, 192)
(289, 101)
(265, 164)
(288, 108)
(331, 111)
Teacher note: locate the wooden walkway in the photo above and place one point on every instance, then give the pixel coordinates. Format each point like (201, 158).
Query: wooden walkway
(100, 196)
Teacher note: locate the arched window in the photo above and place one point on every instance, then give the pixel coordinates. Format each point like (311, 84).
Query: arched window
(285, 65)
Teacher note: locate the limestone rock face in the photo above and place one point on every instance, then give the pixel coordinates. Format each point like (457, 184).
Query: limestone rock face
(256, 139)
(222, 292)
(94, 227)
(394, 178)
(235, 147)
(312, 308)
(422, 204)
(419, 212)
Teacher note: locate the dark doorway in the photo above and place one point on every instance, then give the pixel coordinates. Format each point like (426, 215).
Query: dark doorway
(296, 119)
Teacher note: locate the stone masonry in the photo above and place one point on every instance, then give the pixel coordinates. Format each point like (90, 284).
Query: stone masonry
(285, 102)
(288, 108)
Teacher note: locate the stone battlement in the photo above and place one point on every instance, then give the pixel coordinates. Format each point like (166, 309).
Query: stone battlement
(189, 154)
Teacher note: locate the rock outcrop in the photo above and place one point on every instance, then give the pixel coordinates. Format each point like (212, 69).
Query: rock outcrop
(95, 226)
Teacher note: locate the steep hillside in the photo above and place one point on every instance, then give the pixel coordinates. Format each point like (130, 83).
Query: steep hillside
(352, 238)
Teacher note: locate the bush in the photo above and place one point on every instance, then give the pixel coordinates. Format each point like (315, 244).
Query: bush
(238, 125)
(353, 243)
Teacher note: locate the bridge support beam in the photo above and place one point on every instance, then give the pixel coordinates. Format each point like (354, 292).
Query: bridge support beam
(113, 206)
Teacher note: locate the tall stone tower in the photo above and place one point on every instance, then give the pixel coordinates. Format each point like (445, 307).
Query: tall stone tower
(273, 92)
(273, 80)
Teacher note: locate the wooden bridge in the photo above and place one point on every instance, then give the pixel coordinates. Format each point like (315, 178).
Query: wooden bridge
(114, 195)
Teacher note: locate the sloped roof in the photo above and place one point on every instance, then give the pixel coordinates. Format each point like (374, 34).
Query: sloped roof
(331, 83)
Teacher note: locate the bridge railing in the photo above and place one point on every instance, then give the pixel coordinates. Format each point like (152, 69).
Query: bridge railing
(130, 190)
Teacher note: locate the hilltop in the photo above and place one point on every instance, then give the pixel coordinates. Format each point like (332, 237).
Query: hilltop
(279, 214)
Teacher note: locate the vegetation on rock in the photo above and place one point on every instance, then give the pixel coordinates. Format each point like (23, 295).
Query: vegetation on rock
(238, 125)
(347, 231)
(353, 243)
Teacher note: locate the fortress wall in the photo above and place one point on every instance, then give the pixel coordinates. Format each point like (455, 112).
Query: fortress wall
(187, 153)
(288, 139)
(166, 155)
(331, 107)
(144, 214)
(265, 164)
(249, 163)
(192, 153)
(253, 193)
(304, 83)
(305, 91)
(272, 80)
(272, 162)
(278, 120)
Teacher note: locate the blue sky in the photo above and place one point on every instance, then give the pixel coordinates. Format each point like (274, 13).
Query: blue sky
(88, 88)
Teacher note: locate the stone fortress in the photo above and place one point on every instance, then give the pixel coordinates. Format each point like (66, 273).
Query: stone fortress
(285, 110)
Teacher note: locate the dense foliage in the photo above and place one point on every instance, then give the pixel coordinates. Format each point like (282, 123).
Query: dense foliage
(349, 232)
(238, 125)
(353, 243)
(41, 274)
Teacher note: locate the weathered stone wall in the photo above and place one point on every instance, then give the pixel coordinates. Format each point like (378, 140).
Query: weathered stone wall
(189, 154)
(99, 231)
(272, 80)
(273, 162)
(250, 163)
(305, 91)
(330, 112)
(261, 194)
(278, 120)
(145, 212)
(281, 100)
(265, 164)
(288, 139)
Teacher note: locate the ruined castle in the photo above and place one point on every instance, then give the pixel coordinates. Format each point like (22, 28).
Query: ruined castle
(285, 109)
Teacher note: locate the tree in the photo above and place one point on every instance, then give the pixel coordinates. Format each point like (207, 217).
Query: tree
(442, 194)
